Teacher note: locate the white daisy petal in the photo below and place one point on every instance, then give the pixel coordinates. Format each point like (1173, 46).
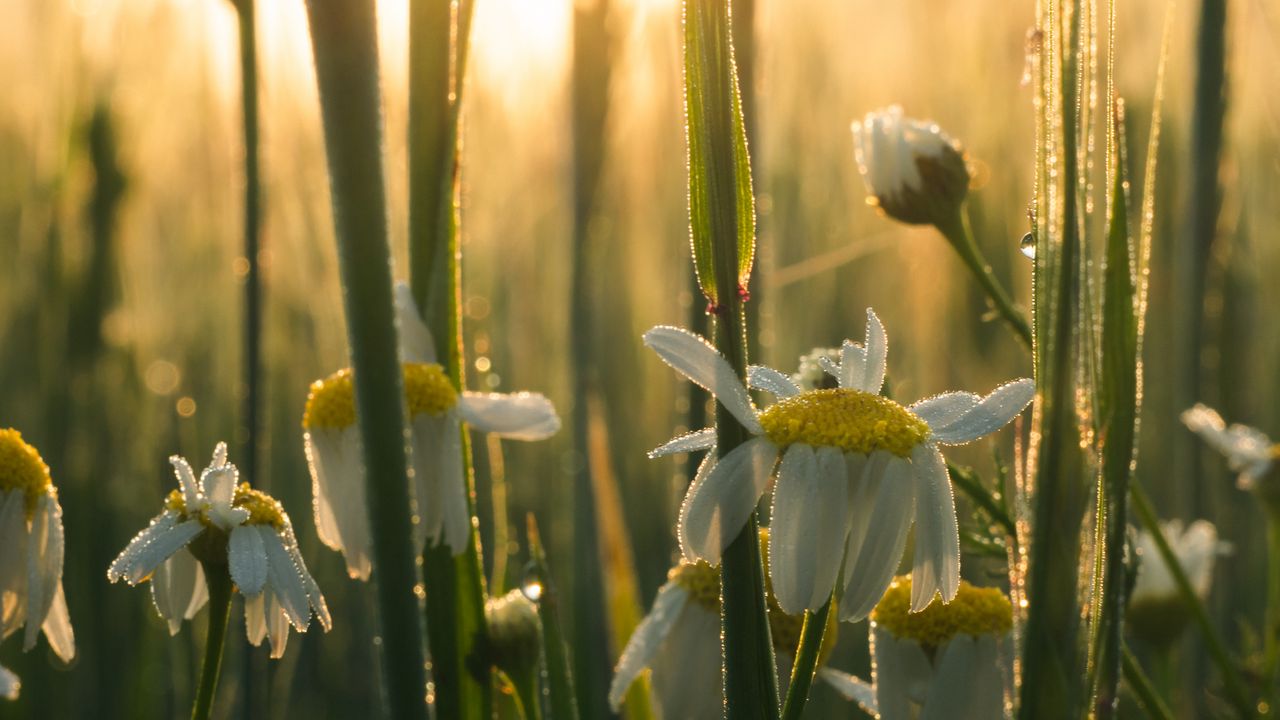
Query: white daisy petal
(830, 367)
(853, 365)
(703, 439)
(219, 484)
(686, 673)
(314, 596)
(44, 565)
(336, 460)
(57, 627)
(864, 474)
(716, 508)
(9, 684)
(173, 587)
(518, 416)
(416, 343)
(255, 618)
(186, 480)
(885, 540)
(877, 352)
(163, 538)
(248, 559)
(695, 358)
(199, 590)
(809, 518)
(646, 640)
(428, 458)
(1248, 451)
(937, 559)
(455, 516)
(942, 410)
(277, 624)
(990, 414)
(772, 381)
(13, 562)
(851, 688)
(966, 681)
(219, 455)
(902, 673)
(285, 579)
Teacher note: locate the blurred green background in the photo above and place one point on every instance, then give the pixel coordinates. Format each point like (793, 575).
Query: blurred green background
(121, 274)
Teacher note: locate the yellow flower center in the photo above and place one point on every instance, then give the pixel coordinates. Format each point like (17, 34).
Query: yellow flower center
(331, 401)
(852, 420)
(263, 509)
(701, 580)
(975, 611)
(22, 468)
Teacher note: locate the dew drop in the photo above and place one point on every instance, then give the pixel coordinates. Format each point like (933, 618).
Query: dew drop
(531, 586)
(1028, 246)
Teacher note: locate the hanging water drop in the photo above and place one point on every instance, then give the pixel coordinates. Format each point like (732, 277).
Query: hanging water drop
(531, 586)
(1028, 245)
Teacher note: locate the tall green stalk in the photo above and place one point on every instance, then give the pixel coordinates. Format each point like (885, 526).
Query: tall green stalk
(439, 33)
(806, 661)
(219, 611)
(344, 42)
(722, 219)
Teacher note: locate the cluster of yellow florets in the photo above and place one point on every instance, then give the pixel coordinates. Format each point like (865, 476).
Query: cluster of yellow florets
(331, 401)
(263, 509)
(844, 418)
(22, 468)
(974, 611)
(701, 580)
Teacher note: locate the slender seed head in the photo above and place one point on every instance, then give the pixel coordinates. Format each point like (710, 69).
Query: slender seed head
(331, 401)
(844, 418)
(974, 611)
(22, 468)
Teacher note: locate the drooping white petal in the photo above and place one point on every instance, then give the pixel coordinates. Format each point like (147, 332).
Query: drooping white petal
(9, 684)
(314, 596)
(186, 480)
(967, 681)
(770, 380)
(715, 509)
(876, 353)
(277, 624)
(427, 432)
(703, 439)
(686, 673)
(284, 578)
(646, 640)
(807, 530)
(517, 416)
(853, 365)
(13, 561)
(248, 559)
(173, 587)
(937, 559)
(864, 474)
(45, 548)
(455, 517)
(336, 461)
(255, 618)
(416, 343)
(152, 546)
(990, 414)
(851, 688)
(57, 627)
(901, 673)
(695, 358)
(199, 590)
(885, 539)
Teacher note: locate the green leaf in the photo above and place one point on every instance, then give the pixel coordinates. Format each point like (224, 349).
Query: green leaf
(555, 651)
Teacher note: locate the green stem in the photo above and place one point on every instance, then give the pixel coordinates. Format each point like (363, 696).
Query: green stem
(1271, 641)
(1146, 693)
(967, 482)
(344, 42)
(527, 696)
(248, 461)
(219, 611)
(806, 663)
(959, 232)
(1235, 687)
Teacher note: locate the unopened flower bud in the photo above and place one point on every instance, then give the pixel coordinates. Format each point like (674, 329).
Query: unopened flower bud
(913, 171)
(515, 633)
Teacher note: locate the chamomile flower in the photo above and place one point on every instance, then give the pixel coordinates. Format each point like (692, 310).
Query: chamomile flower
(913, 171)
(679, 643)
(217, 524)
(31, 549)
(9, 685)
(947, 661)
(1248, 451)
(855, 470)
(1157, 613)
(436, 412)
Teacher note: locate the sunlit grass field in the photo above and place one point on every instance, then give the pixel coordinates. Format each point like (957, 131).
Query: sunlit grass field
(120, 329)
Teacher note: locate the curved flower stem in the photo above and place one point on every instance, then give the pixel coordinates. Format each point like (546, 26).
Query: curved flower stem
(1148, 698)
(806, 663)
(219, 611)
(960, 234)
(1235, 687)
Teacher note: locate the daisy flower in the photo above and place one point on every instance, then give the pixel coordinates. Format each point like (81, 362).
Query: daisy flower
(9, 685)
(1248, 451)
(855, 470)
(1157, 613)
(948, 661)
(679, 643)
(913, 171)
(31, 548)
(216, 524)
(436, 412)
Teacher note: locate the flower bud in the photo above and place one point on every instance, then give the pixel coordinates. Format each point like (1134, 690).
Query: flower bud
(515, 633)
(913, 171)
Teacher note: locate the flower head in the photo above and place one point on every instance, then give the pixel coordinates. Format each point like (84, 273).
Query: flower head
(1157, 613)
(515, 633)
(913, 171)
(854, 470)
(31, 550)
(945, 661)
(217, 524)
(436, 411)
(1248, 451)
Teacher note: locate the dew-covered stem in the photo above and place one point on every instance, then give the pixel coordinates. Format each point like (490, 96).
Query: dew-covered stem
(959, 232)
(219, 611)
(806, 663)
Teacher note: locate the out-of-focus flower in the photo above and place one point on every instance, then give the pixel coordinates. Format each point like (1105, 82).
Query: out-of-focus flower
(1157, 613)
(1248, 451)
(913, 171)
(216, 524)
(31, 549)
(811, 374)
(436, 412)
(857, 469)
(515, 633)
(679, 643)
(9, 685)
(947, 661)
